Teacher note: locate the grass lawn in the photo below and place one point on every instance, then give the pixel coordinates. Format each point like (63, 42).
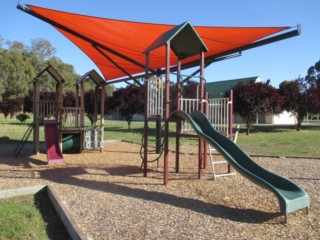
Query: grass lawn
(282, 141)
(30, 217)
(263, 140)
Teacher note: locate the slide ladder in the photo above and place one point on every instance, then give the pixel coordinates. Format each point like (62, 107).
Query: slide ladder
(23, 141)
(214, 162)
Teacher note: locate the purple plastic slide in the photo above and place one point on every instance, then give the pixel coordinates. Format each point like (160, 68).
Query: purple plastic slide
(54, 154)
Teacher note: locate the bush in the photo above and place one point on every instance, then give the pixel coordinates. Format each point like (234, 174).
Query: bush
(22, 117)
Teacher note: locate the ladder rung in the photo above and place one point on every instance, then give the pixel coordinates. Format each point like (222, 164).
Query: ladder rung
(225, 174)
(219, 162)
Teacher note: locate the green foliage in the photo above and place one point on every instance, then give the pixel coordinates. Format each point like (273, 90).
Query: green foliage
(42, 48)
(15, 75)
(19, 64)
(22, 117)
(313, 75)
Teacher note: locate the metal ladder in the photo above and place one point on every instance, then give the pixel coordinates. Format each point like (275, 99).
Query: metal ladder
(24, 139)
(215, 162)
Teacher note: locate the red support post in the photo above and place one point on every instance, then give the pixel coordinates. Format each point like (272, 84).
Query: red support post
(230, 105)
(145, 129)
(201, 142)
(166, 118)
(178, 123)
(205, 147)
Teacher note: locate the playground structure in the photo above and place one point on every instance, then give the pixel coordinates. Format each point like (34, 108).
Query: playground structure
(68, 122)
(172, 49)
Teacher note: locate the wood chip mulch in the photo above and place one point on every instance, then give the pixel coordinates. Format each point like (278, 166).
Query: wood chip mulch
(110, 199)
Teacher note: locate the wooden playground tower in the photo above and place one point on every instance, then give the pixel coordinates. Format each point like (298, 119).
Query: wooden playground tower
(70, 120)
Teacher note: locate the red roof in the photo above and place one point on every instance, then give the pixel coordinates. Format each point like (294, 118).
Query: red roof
(110, 42)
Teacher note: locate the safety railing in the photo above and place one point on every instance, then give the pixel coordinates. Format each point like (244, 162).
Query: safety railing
(71, 117)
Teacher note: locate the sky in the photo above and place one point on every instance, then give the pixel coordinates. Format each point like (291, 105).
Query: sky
(279, 61)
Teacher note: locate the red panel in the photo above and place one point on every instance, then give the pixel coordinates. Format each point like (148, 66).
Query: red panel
(54, 154)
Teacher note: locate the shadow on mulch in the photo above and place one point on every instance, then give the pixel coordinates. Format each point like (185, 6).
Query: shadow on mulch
(54, 227)
(214, 210)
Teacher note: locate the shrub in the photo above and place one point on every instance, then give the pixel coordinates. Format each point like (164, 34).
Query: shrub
(22, 117)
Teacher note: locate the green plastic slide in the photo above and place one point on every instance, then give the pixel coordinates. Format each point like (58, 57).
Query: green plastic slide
(291, 197)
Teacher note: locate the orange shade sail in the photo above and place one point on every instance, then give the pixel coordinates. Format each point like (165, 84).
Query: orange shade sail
(117, 46)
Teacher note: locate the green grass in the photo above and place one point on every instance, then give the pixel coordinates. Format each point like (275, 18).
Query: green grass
(282, 141)
(263, 140)
(30, 217)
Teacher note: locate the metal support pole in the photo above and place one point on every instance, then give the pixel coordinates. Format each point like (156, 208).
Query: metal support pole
(201, 142)
(230, 105)
(205, 147)
(167, 114)
(178, 123)
(145, 129)
(158, 134)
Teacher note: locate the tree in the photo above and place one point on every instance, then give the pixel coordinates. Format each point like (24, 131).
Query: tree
(188, 90)
(89, 106)
(10, 107)
(313, 75)
(15, 75)
(128, 100)
(42, 48)
(256, 98)
(16, 46)
(69, 99)
(300, 98)
(66, 71)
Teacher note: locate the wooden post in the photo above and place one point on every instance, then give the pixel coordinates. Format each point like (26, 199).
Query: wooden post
(102, 98)
(36, 99)
(82, 115)
(96, 91)
(58, 110)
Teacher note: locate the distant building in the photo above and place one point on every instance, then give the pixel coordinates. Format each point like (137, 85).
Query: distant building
(221, 88)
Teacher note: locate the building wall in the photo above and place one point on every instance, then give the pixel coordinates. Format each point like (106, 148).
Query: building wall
(284, 118)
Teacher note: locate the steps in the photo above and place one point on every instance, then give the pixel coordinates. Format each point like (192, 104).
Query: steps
(229, 171)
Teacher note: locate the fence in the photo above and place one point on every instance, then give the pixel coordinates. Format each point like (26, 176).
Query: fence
(47, 109)
(218, 113)
(71, 117)
(155, 97)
